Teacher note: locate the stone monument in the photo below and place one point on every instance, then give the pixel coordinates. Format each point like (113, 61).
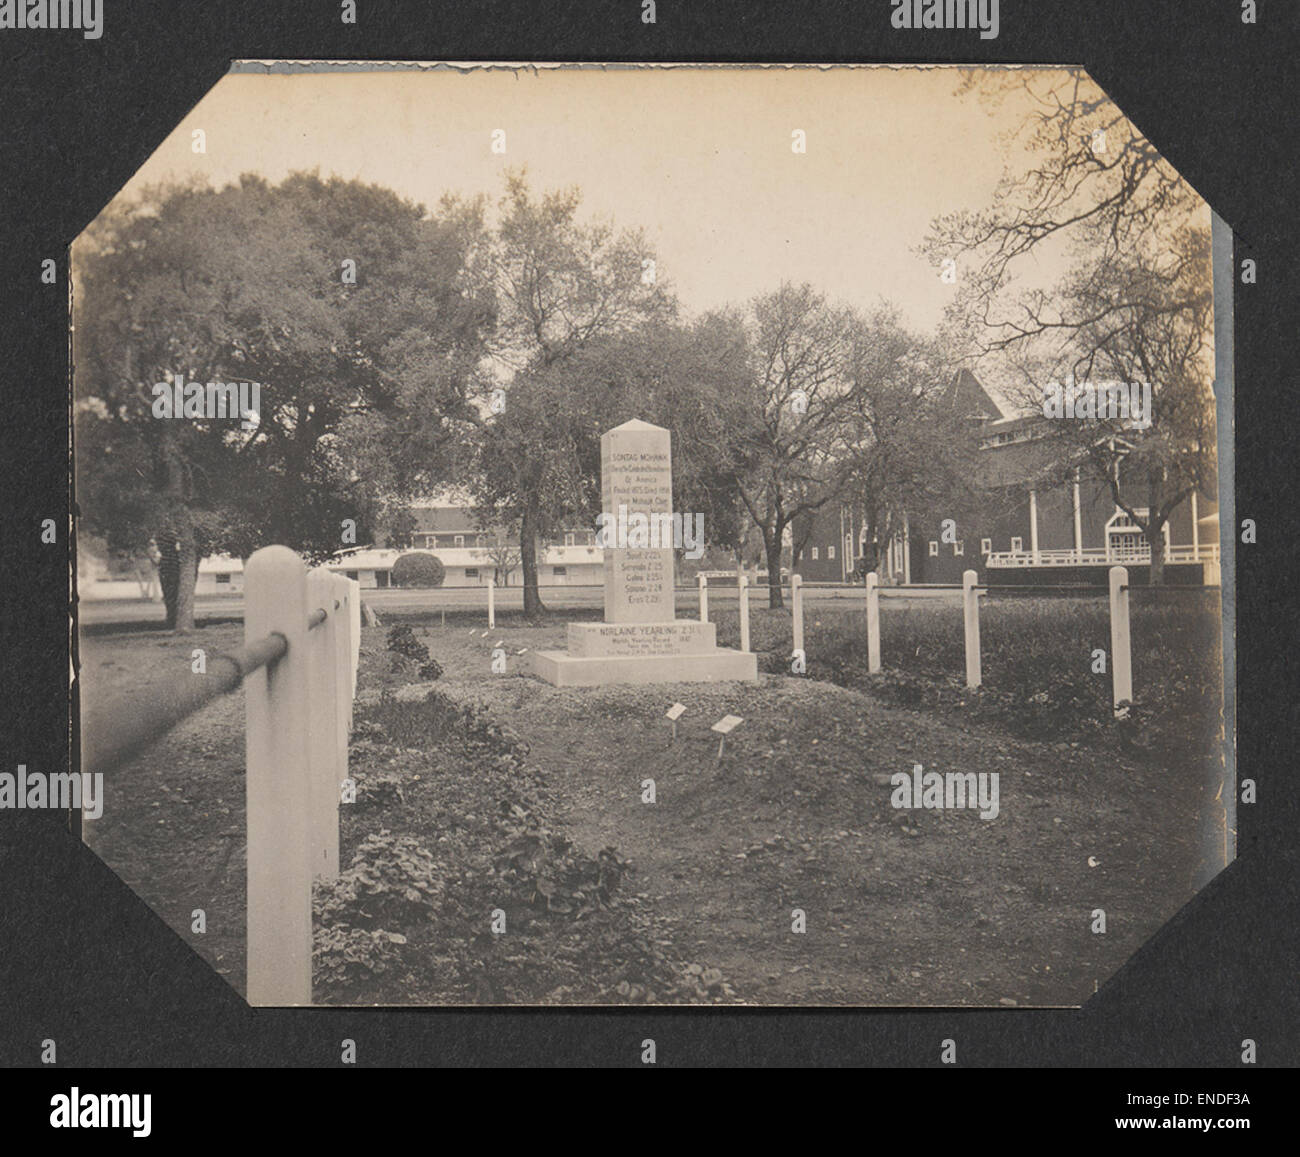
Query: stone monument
(641, 639)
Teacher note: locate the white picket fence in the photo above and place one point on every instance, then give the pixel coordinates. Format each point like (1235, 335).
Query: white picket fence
(298, 714)
(1121, 657)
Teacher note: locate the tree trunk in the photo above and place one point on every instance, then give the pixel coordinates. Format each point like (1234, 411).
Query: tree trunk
(533, 607)
(871, 545)
(169, 572)
(178, 545)
(187, 556)
(1155, 529)
(772, 547)
(1156, 540)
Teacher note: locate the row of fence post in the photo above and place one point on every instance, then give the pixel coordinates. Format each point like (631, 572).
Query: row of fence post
(1121, 656)
(1120, 642)
(298, 713)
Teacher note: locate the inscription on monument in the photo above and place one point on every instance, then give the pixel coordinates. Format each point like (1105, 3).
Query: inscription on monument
(640, 640)
(636, 474)
(684, 638)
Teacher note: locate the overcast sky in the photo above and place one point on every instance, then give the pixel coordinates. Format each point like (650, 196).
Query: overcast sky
(700, 158)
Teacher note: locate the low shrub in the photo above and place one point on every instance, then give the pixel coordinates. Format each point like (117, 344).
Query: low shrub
(402, 641)
(418, 568)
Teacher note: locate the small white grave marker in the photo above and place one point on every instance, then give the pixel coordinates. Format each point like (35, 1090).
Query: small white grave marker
(674, 713)
(724, 727)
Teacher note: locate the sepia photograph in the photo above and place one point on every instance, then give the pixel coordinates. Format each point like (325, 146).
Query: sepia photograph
(673, 535)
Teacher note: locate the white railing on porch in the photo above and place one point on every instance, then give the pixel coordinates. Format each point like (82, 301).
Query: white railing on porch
(1099, 556)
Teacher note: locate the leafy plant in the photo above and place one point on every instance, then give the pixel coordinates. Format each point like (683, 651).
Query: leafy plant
(402, 641)
(392, 880)
(549, 872)
(342, 956)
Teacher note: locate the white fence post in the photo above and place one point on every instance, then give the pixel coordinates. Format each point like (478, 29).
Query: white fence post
(278, 785)
(742, 585)
(703, 581)
(971, 612)
(796, 609)
(873, 623)
(1121, 656)
(323, 706)
(342, 691)
(492, 604)
(354, 634)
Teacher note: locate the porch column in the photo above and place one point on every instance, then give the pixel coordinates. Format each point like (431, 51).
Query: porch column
(844, 574)
(1196, 531)
(1078, 519)
(1033, 525)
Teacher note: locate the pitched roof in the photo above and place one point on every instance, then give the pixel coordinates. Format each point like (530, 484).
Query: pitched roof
(969, 399)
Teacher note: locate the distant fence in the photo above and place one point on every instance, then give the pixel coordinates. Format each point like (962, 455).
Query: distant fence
(971, 590)
(1121, 656)
(298, 667)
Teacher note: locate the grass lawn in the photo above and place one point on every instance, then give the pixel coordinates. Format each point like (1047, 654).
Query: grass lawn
(500, 792)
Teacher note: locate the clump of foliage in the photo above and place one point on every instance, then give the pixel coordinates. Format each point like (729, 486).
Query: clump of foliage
(393, 882)
(402, 641)
(342, 956)
(379, 790)
(548, 872)
(418, 568)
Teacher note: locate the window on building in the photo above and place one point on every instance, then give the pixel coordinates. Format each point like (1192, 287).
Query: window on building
(986, 546)
(561, 571)
(459, 540)
(1017, 545)
(934, 549)
(352, 575)
(570, 539)
(223, 578)
(471, 572)
(959, 547)
(814, 554)
(830, 552)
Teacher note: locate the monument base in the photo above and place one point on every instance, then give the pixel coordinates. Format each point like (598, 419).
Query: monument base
(565, 670)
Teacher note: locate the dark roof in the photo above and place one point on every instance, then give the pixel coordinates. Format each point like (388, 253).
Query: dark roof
(969, 399)
(444, 519)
